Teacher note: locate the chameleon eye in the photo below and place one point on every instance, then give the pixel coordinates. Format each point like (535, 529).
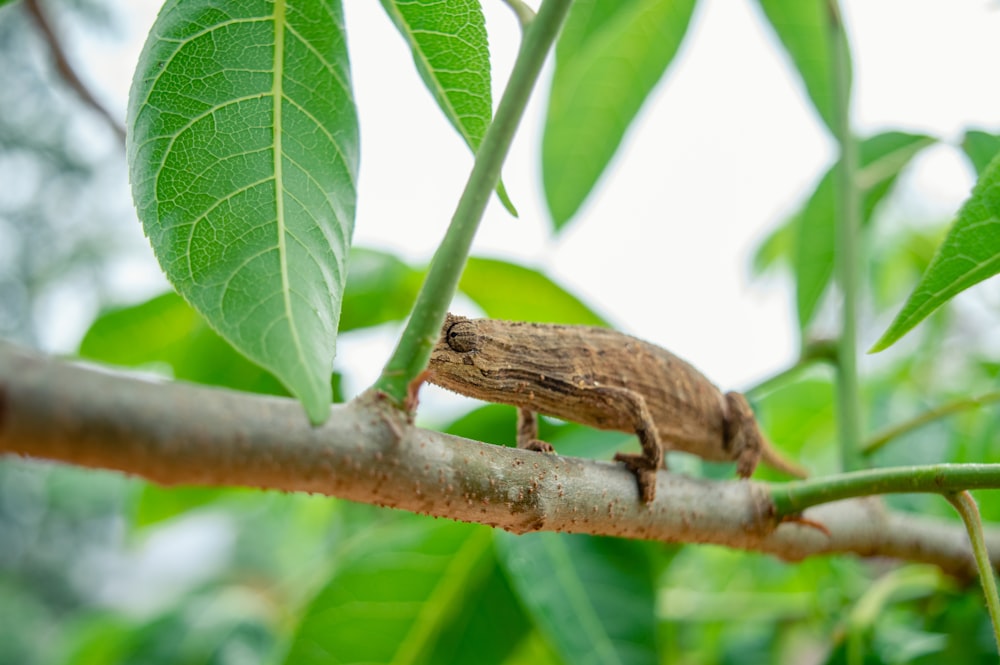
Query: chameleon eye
(462, 337)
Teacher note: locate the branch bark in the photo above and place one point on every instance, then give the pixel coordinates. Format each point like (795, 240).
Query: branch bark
(174, 433)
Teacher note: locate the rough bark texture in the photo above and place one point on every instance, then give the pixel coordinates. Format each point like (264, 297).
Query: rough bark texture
(174, 433)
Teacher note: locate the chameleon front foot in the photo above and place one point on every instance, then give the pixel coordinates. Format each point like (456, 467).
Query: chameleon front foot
(538, 445)
(645, 474)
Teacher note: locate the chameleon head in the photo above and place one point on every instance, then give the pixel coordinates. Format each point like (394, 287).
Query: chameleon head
(459, 334)
(453, 361)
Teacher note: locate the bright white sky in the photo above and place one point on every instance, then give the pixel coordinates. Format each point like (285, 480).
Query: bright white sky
(725, 148)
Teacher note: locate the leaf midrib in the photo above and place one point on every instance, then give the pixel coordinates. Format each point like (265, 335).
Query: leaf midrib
(277, 95)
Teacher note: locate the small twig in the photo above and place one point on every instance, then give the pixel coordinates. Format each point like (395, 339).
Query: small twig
(65, 68)
(877, 441)
(967, 508)
(794, 497)
(525, 14)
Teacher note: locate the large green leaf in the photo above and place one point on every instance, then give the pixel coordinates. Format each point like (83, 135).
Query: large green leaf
(243, 154)
(803, 28)
(969, 254)
(981, 148)
(451, 52)
(509, 291)
(592, 598)
(167, 331)
(882, 157)
(609, 57)
(397, 593)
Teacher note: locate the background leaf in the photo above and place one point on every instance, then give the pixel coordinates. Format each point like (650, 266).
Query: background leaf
(451, 51)
(969, 254)
(395, 593)
(243, 154)
(166, 331)
(882, 157)
(527, 294)
(802, 28)
(610, 55)
(382, 288)
(981, 148)
(592, 598)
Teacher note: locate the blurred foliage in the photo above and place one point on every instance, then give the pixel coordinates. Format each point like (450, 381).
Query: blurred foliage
(63, 203)
(97, 568)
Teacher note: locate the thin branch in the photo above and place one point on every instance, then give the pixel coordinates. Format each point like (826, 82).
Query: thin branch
(65, 68)
(525, 14)
(794, 497)
(947, 409)
(847, 211)
(181, 434)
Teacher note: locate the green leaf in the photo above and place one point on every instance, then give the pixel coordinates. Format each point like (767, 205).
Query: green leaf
(509, 291)
(803, 28)
(394, 593)
(156, 504)
(381, 289)
(592, 598)
(167, 331)
(243, 155)
(969, 254)
(775, 248)
(484, 633)
(882, 158)
(980, 148)
(609, 57)
(451, 51)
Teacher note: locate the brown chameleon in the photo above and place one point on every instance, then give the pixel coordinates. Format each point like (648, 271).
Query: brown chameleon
(604, 379)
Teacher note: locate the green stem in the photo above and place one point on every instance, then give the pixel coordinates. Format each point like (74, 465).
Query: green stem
(967, 508)
(848, 265)
(794, 497)
(417, 340)
(946, 409)
(525, 14)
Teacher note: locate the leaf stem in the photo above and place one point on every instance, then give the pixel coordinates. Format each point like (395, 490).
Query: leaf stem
(877, 441)
(848, 240)
(421, 332)
(967, 508)
(794, 497)
(525, 14)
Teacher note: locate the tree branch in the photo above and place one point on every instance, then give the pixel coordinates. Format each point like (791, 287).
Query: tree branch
(174, 433)
(65, 68)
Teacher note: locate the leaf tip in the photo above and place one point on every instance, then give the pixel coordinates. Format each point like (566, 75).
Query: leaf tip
(888, 338)
(317, 410)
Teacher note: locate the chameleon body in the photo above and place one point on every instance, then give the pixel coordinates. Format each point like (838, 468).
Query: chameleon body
(604, 379)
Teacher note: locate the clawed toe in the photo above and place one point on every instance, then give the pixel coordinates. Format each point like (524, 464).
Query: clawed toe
(540, 446)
